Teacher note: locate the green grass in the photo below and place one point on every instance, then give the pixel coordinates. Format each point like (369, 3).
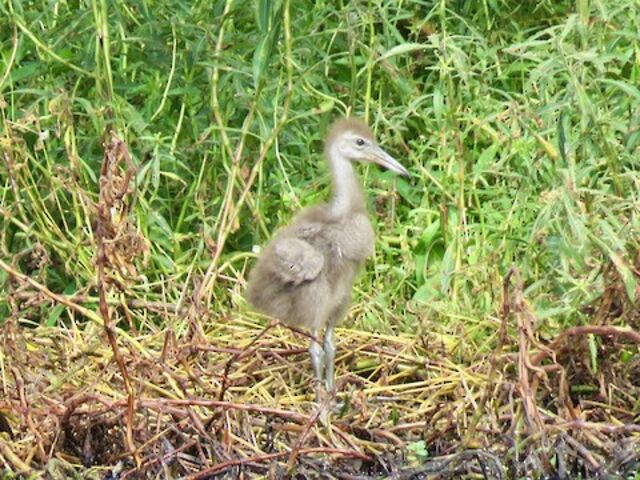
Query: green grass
(518, 120)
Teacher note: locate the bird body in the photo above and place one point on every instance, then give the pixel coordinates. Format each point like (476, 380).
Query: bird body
(305, 274)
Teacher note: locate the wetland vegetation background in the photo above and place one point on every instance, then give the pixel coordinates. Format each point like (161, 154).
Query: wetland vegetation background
(518, 120)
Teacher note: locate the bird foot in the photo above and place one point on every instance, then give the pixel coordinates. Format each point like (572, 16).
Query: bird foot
(327, 406)
(338, 407)
(325, 416)
(332, 409)
(328, 409)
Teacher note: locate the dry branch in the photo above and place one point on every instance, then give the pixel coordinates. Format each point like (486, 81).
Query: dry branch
(115, 240)
(604, 331)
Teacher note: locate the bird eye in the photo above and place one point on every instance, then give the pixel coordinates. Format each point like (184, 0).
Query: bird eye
(360, 142)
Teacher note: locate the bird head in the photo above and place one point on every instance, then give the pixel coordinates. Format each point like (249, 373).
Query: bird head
(353, 140)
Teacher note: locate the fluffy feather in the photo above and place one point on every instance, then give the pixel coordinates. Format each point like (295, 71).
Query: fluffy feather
(349, 124)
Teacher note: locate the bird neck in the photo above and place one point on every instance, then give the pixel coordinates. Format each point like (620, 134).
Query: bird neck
(347, 194)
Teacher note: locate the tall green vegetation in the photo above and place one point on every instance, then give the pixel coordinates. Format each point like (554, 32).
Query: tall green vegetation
(519, 121)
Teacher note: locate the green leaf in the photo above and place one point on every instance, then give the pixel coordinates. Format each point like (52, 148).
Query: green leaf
(621, 266)
(263, 10)
(132, 117)
(155, 171)
(625, 87)
(395, 415)
(269, 20)
(260, 58)
(562, 137)
(448, 267)
(427, 293)
(52, 320)
(593, 352)
(486, 158)
(420, 262)
(406, 191)
(626, 356)
(417, 451)
(25, 71)
(438, 103)
(625, 273)
(402, 49)
(431, 234)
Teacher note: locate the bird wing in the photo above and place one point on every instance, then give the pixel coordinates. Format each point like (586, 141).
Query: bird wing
(354, 239)
(296, 261)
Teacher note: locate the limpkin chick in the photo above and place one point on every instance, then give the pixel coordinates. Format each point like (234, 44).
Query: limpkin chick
(305, 274)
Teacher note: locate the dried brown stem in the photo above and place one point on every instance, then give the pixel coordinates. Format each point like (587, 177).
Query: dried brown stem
(26, 414)
(157, 459)
(242, 353)
(525, 338)
(221, 467)
(320, 410)
(114, 152)
(604, 331)
(61, 299)
(173, 406)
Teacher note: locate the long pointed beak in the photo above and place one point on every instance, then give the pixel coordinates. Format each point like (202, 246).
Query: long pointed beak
(385, 160)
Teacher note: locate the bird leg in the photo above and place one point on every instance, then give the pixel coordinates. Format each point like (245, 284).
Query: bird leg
(317, 362)
(330, 358)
